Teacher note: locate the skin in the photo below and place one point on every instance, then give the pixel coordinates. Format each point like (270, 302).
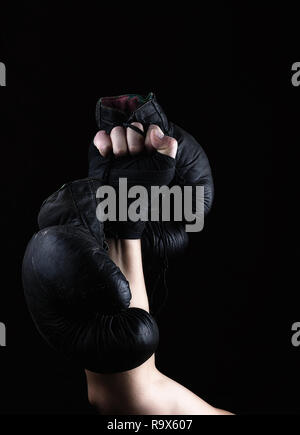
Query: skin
(143, 390)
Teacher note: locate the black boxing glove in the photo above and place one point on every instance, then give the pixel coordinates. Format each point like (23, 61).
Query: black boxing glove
(189, 168)
(77, 296)
(144, 170)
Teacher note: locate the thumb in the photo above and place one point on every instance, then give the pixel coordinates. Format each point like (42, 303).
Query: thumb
(163, 144)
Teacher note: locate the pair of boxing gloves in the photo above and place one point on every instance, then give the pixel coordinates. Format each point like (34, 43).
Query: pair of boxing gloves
(78, 298)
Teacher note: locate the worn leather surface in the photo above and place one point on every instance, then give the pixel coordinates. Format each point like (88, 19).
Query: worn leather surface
(190, 167)
(77, 296)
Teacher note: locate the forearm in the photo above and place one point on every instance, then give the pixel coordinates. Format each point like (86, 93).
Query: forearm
(115, 392)
(143, 390)
(127, 255)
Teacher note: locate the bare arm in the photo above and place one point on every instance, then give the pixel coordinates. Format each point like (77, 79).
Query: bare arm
(126, 254)
(143, 390)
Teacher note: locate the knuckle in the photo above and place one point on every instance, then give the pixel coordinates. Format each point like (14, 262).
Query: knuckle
(118, 130)
(138, 125)
(100, 136)
(104, 148)
(119, 152)
(102, 143)
(135, 148)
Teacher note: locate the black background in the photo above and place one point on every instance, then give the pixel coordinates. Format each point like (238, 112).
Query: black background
(224, 75)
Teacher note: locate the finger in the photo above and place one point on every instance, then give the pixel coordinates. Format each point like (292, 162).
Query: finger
(163, 144)
(103, 143)
(148, 143)
(119, 142)
(135, 141)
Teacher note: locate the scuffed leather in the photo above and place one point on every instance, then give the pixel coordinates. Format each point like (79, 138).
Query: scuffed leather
(192, 167)
(78, 298)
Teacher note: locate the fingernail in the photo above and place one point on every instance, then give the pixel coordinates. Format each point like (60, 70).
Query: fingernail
(159, 133)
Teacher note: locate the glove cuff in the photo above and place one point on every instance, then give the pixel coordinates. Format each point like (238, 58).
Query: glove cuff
(124, 230)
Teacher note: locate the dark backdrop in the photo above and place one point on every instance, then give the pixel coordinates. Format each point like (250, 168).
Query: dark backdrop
(222, 74)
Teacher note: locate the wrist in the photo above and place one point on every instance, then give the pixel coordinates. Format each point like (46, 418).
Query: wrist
(122, 246)
(125, 253)
(126, 230)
